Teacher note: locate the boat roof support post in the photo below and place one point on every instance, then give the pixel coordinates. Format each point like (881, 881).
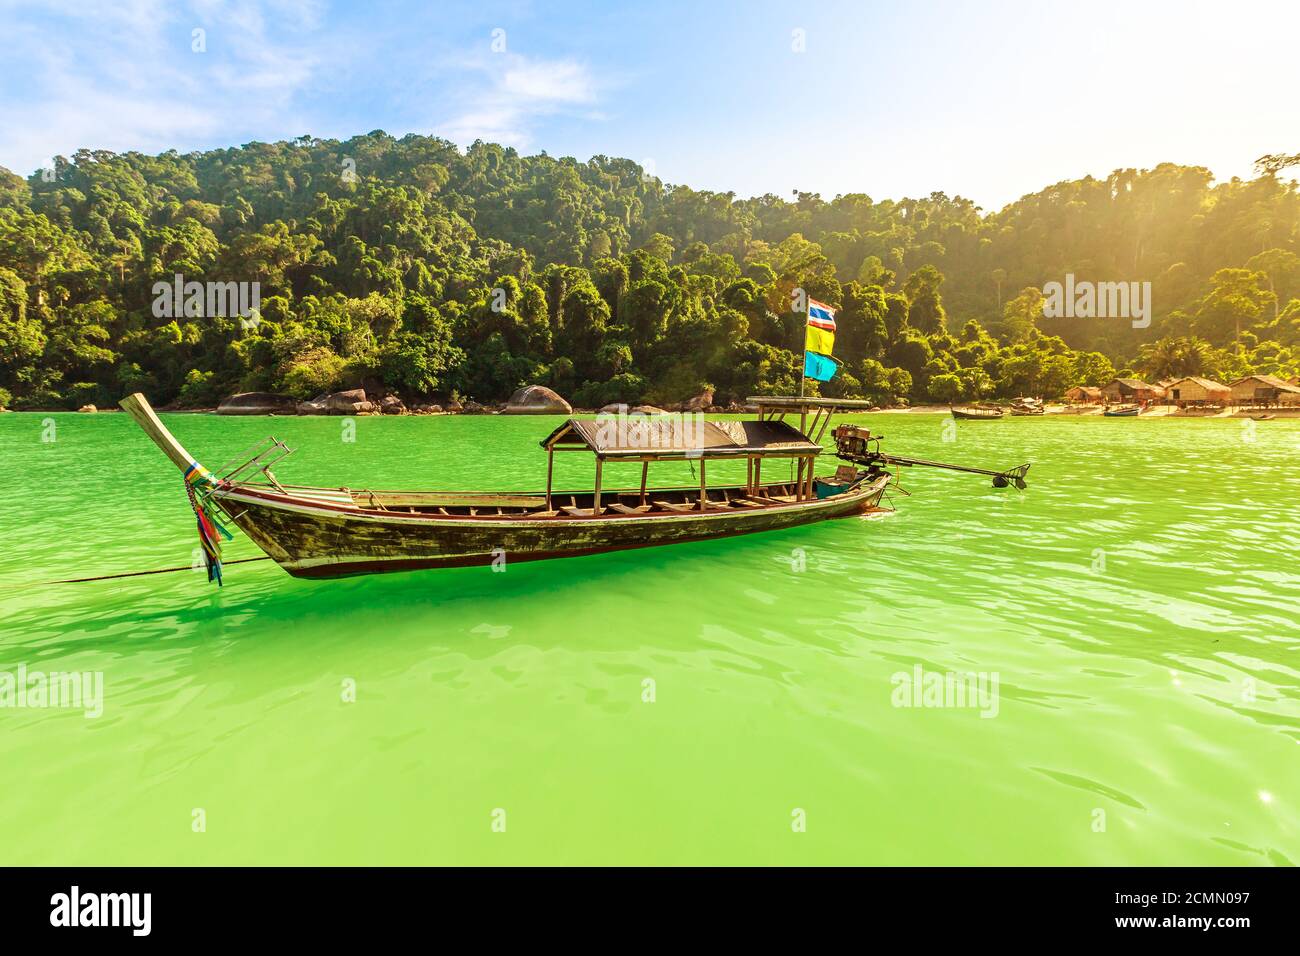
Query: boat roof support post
(645, 472)
(595, 498)
(820, 423)
(704, 492)
(818, 438)
(550, 466)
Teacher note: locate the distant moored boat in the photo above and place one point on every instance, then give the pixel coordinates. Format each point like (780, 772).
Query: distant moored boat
(1027, 406)
(977, 413)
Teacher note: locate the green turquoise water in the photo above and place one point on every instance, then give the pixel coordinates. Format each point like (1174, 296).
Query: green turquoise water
(1139, 606)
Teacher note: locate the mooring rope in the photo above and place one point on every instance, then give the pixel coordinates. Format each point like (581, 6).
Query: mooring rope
(127, 574)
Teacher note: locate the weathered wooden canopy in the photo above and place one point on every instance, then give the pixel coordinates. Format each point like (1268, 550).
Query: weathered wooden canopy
(774, 408)
(667, 437)
(797, 403)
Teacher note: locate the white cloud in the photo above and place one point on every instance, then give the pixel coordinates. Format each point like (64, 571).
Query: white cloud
(560, 81)
(493, 126)
(513, 93)
(123, 76)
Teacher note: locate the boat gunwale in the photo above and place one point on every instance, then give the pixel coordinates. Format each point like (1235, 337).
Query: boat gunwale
(242, 493)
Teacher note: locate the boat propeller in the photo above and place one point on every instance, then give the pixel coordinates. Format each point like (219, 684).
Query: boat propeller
(1016, 476)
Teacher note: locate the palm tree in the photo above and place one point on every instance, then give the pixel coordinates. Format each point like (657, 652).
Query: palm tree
(1173, 357)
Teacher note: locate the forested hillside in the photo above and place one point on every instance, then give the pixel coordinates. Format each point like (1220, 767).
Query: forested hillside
(378, 258)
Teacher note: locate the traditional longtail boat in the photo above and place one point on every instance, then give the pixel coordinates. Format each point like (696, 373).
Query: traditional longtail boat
(1122, 411)
(333, 532)
(977, 413)
(1027, 406)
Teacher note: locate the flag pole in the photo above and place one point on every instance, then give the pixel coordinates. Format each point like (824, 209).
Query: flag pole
(803, 373)
(803, 366)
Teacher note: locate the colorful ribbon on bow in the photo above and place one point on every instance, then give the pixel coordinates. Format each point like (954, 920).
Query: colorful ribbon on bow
(198, 485)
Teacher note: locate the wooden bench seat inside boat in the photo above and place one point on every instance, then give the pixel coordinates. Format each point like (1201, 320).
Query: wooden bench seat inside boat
(628, 510)
(453, 504)
(427, 499)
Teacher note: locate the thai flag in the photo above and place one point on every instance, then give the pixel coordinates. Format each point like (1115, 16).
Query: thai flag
(821, 315)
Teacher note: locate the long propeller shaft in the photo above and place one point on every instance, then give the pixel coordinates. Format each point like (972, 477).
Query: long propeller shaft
(1011, 474)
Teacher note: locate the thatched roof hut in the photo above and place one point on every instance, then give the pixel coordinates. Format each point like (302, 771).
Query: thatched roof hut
(1195, 390)
(1264, 390)
(1083, 395)
(1130, 390)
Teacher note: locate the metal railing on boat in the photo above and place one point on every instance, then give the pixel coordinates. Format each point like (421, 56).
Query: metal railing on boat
(259, 456)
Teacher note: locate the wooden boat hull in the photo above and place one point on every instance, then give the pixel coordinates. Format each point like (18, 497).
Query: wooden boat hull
(975, 415)
(1122, 413)
(323, 540)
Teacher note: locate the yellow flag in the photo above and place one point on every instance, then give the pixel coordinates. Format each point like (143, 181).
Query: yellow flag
(819, 340)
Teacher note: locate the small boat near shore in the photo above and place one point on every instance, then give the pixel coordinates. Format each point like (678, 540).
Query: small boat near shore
(1027, 406)
(338, 531)
(977, 413)
(1122, 411)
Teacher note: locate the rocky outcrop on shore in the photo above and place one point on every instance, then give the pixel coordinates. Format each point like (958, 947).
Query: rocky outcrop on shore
(616, 409)
(537, 400)
(351, 402)
(258, 403)
(702, 402)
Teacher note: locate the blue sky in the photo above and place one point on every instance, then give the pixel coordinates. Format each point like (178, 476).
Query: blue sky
(988, 100)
